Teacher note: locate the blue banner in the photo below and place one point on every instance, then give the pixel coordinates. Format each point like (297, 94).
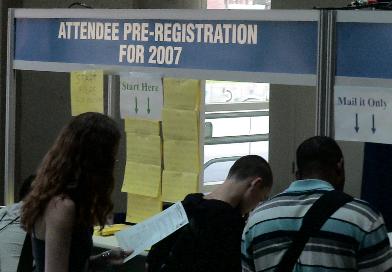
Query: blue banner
(248, 46)
(364, 50)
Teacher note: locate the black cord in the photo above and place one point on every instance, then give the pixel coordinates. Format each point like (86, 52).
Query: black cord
(80, 4)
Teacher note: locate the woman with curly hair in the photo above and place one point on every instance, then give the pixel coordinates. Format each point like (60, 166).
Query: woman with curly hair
(71, 194)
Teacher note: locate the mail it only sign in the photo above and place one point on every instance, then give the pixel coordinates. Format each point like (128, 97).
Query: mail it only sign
(363, 114)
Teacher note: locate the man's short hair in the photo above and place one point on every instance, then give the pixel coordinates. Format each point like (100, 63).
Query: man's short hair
(251, 166)
(26, 187)
(319, 154)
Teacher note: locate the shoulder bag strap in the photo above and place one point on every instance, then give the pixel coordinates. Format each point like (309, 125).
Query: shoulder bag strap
(312, 222)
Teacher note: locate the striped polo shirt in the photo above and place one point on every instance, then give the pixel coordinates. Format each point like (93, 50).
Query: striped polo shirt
(354, 238)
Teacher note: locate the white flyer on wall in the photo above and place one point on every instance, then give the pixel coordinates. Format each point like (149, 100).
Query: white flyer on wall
(141, 96)
(149, 232)
(363, 114)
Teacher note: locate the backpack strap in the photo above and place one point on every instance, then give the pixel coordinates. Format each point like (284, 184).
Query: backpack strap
(314, 219)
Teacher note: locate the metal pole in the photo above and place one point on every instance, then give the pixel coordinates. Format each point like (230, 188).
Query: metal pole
(10, 115)
(325, 73)
(201, 131)
(321, 73)
(331, 72)
(111, 97)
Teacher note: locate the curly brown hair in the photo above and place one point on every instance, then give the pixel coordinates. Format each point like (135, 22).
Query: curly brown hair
(80, 166)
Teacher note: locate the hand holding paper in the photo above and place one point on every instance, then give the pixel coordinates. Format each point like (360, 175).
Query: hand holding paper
(151, 231)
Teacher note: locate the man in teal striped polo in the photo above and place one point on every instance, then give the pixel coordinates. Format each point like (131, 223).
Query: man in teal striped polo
(354, 238)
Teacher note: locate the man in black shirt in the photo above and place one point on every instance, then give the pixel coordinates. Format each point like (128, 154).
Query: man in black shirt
(212, 239)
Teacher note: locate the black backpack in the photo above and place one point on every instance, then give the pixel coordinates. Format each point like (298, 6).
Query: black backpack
(181, 255)
(175, 253)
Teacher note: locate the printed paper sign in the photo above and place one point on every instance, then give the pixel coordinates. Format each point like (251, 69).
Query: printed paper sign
(141, 96)
(363, 114)
(153, 230)
(86, 92)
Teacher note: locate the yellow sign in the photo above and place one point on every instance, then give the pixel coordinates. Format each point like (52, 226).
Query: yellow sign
(142, 179)
(182, 156)
(140, 208)
(86, 92)
(144, 149)
(139, 126)
(181, 94)
(180, 124)
(176, 185)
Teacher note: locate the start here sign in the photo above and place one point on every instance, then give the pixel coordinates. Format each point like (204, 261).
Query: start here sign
(363, 114)
(141, 96)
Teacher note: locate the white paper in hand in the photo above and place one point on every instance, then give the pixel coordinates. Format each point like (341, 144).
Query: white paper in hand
(151, 231)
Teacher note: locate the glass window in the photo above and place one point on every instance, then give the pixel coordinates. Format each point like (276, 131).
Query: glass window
(240, 128)
(236, 114)
(218, 92)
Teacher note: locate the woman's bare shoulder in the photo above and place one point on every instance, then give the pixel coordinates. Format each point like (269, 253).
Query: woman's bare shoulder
(60, 212)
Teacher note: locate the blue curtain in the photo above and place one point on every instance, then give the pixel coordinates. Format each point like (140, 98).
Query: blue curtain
(377, 179)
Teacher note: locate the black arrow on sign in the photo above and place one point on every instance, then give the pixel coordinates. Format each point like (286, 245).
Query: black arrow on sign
(356, 123)
(373, 123)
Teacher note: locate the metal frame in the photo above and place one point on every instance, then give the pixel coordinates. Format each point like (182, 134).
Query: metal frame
(201, 134)
(325, 73)
(364, 16)
(224, 15)
(330, 74)
(270, 15)
(224, 159)
(237, 139)
(111, 97)
(282, 78)
(321, 66)
(10, 115)
(220, 115)
(237, 107)
(364, 82)
(325, 80)
(264, 15)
